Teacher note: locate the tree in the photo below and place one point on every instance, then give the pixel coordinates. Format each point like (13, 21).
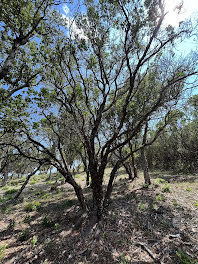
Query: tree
(101, 82)
(24, 31)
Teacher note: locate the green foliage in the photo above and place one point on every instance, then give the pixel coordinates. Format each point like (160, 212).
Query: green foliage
(11, 191)
(185, 258)
(196, 204)
(166, 188)
(160, 197)
(2, 251)
(175, 202)
(33, 182)
(6, 209)
(33, 206)
(141, 206)
(5, 188)
(34, 241)
(160, 180)
(188, 189)
(56, 226)
(124, 259)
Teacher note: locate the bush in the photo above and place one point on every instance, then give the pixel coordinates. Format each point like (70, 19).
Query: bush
(33, 206)
(166, 188)
(160, 197)
(11, 191)
(160, 180)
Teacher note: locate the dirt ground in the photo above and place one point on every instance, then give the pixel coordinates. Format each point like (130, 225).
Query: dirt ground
(158, 224)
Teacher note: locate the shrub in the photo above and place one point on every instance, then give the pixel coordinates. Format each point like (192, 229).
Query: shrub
(141, 206)
(160, 180)
(5, 188)
(56, 226)
(196, 204)
(166, 188)
(34, 241)
(11, 191)
(188, 189)
(160, 197)
(33, 206)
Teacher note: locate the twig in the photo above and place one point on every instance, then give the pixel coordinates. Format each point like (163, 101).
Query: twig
(143, 246)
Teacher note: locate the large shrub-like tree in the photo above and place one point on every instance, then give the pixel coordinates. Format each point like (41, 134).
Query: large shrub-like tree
(107, 78)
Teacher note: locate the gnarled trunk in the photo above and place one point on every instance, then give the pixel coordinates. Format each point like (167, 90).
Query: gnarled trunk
(78, 190)
(128, 169)
(97, 195)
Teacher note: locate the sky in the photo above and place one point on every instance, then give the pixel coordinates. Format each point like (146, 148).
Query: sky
(190, 7)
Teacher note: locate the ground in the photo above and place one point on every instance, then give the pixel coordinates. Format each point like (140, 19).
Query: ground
(158, 224)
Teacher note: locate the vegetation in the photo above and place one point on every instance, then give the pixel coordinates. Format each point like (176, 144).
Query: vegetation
(98, 110)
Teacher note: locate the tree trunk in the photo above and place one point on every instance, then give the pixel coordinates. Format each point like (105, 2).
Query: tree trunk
(133, 166)
(5, 177)
(110, 184)
(147, 179)
(78, 190)
(97, 193)
(25, 183)
(128, 170)
(87, 178)
(50, 173)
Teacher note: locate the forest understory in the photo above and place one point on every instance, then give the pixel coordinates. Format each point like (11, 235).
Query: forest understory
(158, 224)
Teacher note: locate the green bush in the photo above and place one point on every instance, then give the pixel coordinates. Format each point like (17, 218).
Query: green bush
(5, 188)
(161, 197)
(33, 206)
(166, 188)
(160, 180)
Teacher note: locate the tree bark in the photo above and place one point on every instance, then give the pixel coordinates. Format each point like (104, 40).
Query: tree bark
(87, 178)
(25, 183)
(133, 166)
(78, 190)
(5, 177)
(110, 183)
(128, 170)
(97, 192)
(147, 179)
